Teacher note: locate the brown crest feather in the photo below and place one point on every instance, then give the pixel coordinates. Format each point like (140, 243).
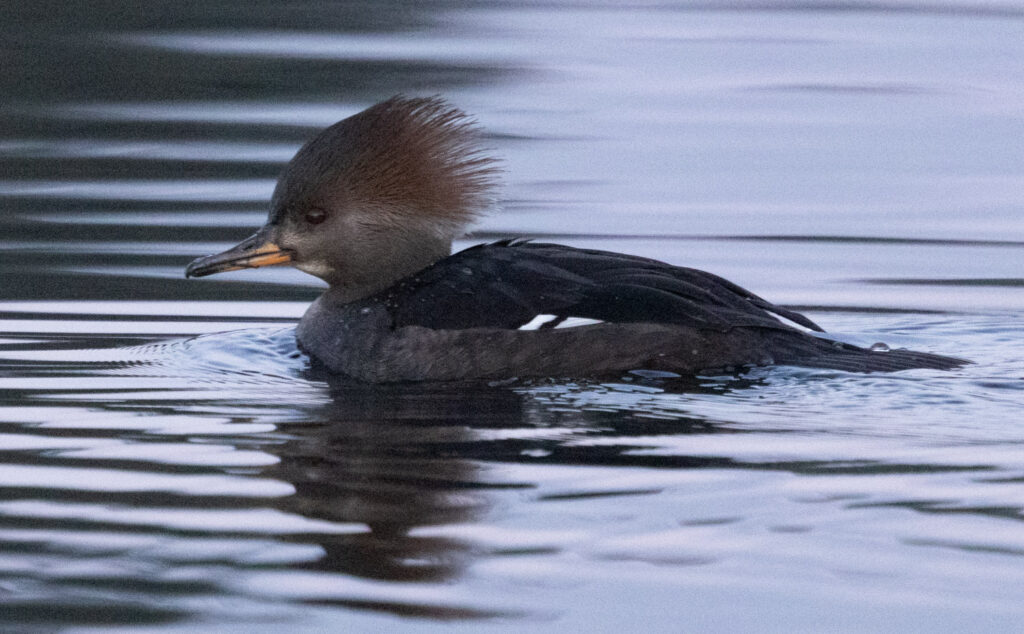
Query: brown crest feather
(403, 155)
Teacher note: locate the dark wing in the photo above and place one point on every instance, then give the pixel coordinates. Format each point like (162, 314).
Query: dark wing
(508, 284)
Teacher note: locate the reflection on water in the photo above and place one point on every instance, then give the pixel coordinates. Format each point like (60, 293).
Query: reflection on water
(223, 466)
(168, 459)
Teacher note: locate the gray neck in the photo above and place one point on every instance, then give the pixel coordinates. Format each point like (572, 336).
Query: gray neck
(382, 260)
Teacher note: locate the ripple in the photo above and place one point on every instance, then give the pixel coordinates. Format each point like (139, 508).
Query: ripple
(124, 481)
(245, 521)
(301, 114)
(251, 190)
(212, 218)
(177, 308)
(339, 46)
(162, 150)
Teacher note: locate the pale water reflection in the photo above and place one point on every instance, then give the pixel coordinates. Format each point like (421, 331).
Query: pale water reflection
(170, 461)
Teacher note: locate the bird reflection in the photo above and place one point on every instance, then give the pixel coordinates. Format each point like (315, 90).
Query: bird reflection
(397, 458)
(389, 458)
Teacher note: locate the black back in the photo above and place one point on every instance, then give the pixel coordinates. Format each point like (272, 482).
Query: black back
(507, 284)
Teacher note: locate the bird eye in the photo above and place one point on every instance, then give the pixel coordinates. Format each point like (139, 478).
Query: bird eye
(315, 216)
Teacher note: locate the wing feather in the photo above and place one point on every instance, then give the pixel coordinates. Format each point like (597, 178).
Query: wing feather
(508, 284)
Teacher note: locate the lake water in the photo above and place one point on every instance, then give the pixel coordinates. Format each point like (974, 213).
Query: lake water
(169, 462)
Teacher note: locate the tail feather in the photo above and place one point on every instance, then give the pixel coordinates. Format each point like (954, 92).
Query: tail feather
(816, 352)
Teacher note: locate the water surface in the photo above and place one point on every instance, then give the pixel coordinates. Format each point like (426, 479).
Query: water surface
(169, 460)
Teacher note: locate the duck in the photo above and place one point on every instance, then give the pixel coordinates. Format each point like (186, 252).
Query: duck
(372, 204)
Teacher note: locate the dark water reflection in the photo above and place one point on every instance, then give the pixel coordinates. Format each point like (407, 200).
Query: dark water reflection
(172, 473)
(169, 461)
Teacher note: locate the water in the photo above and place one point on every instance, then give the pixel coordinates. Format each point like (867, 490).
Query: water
(168, 460)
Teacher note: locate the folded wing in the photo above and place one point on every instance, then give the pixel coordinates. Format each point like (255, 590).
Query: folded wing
(515, 284)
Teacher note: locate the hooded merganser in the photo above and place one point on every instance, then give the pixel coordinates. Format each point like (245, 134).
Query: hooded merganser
(371, 205)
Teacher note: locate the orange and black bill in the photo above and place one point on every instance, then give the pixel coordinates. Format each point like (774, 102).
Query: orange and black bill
(254, 252)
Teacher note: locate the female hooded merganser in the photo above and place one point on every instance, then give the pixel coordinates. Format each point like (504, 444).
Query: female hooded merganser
(371, 205)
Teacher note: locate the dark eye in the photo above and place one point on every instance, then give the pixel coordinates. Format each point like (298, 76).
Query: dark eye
(315, 216)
